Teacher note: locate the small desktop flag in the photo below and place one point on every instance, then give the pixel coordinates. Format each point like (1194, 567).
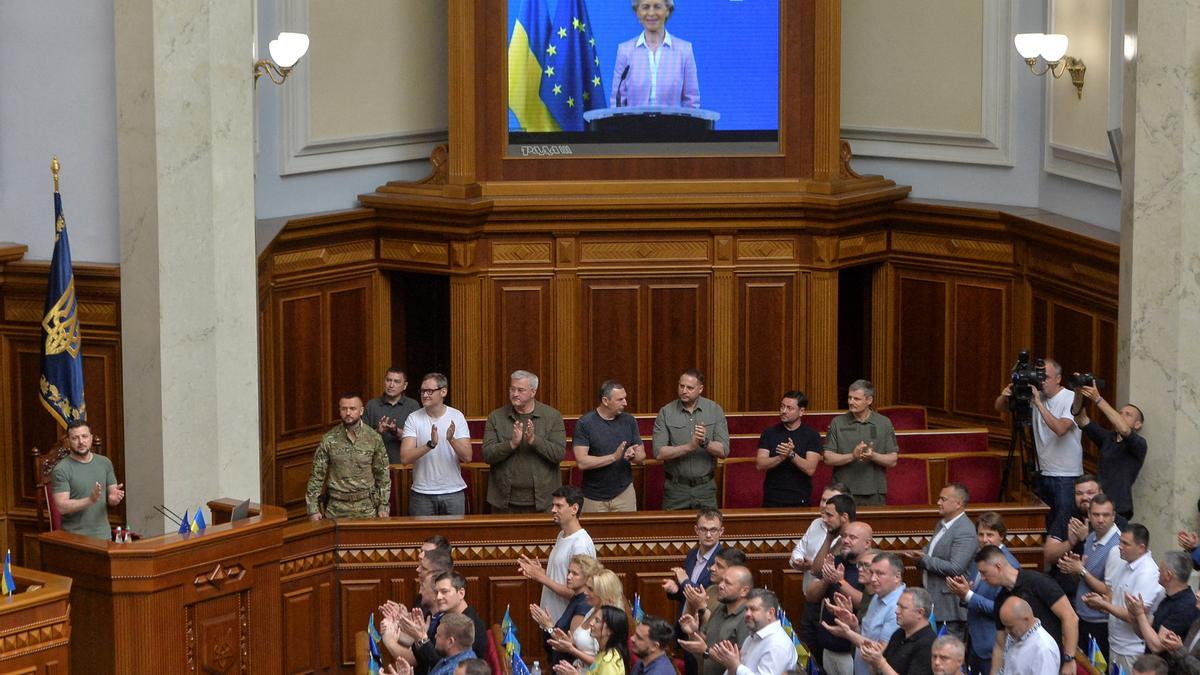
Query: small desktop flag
(638, 614)
(802, 656)
(571, 82)
(518, 666)
(512, 646)
(198, 524)
(61, 384)
(373, 638)
(185, 525)
(1096, 656)
(7, 585)
(942, 631)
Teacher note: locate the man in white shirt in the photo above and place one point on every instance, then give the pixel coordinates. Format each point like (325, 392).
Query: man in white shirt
(1028, 648)
(802, 559)
(1138, 576)
(436, 441)
(1059, 449)
(767, 650)
(565, 504)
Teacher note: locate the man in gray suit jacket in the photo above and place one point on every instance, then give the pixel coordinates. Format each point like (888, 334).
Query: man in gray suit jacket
(949, 554)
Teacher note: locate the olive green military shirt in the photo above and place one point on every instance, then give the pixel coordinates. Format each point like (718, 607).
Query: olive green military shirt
(845, 432)
(675, 425)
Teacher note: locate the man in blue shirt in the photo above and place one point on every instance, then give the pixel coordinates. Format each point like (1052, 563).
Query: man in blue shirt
(455, 634)
(649, 643)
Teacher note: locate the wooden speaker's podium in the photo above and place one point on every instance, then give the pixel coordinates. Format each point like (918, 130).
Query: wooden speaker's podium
(197, 603)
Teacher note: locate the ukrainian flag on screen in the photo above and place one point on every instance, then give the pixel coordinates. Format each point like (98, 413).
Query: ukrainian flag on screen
(526, 56)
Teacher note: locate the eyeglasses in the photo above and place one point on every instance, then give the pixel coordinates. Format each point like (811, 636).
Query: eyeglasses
(709, 530)
(431, 391)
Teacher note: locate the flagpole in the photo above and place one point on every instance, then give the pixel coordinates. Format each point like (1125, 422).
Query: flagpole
(54, 168)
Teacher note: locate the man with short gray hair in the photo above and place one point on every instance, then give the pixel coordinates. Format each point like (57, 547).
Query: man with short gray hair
(948, 655)
(524, 442)
(861, 446)
(909, 649)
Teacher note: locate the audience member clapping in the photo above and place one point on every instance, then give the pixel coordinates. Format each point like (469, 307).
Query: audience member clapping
(611, 634)
(581, 569)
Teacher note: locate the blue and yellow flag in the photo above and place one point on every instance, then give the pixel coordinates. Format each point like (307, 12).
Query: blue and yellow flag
(62, 355)
(517, 665)
(185, 525)
(526, 60)
(508, 639)
(7, 585)
(639, 615)
(1096, 655)
(373, 638)
(571, 81)
(198, 523)
(802, 655)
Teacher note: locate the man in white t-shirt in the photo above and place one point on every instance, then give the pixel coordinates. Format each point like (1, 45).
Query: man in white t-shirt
(565, 505)
(1059, 448)
(436, 441)
(802, 559)
(1136, 577)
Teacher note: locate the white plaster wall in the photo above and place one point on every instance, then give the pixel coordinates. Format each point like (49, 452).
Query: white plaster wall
(57, 97)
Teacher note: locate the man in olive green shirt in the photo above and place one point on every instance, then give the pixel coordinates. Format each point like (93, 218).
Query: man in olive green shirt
(83, 486)
(524, 442)
(690, 433)
(726, 623)
(861, 446)
(354, 460)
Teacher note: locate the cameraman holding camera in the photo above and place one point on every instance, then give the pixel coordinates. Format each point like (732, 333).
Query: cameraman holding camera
(1057, 439)
(1122, 450)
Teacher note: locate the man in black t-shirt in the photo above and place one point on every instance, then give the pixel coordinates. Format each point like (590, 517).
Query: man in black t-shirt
(1050, 605)
(839, 575)
(1122, 450)
(790, 453)
(606, 444)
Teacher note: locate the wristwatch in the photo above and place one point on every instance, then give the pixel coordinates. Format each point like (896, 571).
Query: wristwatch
(1067, 658)
(431, 444)
(703, 444)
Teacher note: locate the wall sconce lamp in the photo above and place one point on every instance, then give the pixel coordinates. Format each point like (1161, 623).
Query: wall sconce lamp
(285, 50)
(1053, 50)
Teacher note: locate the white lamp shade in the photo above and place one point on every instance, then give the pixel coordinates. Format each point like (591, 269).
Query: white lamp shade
(1029, 45)
(287, 49)
(1054, 47)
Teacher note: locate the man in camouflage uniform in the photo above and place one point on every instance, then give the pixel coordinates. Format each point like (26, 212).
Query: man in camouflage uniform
(353, 458)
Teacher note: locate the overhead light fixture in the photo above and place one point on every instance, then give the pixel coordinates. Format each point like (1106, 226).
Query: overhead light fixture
(285, 50)
(1052, 50)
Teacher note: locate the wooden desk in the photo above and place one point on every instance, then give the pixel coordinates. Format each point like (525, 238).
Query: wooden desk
(205, 602)
(35, 626)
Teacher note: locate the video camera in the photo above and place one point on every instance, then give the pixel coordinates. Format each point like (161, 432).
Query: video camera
(1026, 377)
(1086, 380)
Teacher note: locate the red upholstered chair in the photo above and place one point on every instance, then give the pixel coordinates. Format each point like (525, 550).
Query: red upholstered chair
(493, 650)
(476, 426)
(751, 423)
(981, 476)
(823, 477)
(654, 477)
(742, 484)
(646, 426)
(43, 468)
(906, 417)
(943, 441)
(743, 446)
(576, 478)
(908, 482)
(820, 420)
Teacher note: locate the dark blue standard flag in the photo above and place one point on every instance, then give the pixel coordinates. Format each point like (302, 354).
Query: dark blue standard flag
(62, 357)
(571, 81)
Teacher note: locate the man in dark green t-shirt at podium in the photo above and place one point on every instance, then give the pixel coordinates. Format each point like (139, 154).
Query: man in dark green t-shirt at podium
(84, 485)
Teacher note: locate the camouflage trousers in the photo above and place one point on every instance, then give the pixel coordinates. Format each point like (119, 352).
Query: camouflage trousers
(359, 508)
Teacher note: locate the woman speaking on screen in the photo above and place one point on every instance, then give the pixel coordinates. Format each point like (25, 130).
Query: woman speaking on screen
(655, 68)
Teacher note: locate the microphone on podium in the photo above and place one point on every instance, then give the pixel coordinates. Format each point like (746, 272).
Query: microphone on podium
(624, 74)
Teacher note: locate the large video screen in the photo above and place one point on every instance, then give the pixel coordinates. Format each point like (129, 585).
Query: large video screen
(643, 77)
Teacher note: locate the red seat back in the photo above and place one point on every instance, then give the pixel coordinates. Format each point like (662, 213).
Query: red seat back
(743, 484)
(980, 475)
(52, 509)
(908, 482)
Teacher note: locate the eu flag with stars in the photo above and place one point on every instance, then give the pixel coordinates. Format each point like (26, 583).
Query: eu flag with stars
(62, 357)
(571, 81)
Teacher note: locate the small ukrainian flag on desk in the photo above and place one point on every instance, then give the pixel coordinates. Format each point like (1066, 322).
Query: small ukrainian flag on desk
(7, 585)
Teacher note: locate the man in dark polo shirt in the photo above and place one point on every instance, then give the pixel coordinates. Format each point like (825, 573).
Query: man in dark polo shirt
(607, 444)
(1122, 450)
(388, 413)
(690, 434)
(1049, 604)
(790, 453)
(909, 651)
(840, 576)
(861, 446)
(1176, 611)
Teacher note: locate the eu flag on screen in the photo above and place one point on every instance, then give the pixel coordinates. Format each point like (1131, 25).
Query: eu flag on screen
(62, 358)
(571, 81)
(526, 56)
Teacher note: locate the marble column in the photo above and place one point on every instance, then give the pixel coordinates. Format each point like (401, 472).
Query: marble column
(1160, 258)
(185, 160)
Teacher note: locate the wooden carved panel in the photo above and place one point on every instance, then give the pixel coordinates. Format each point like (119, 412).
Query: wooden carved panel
(300, 344)
(1105, 363)
(357, 598)
(301, 618)
(922, 341)
(349, 344)
(980, 355)
(515, 594)
(612, 312)
(523, 335)
(680, 332)
(1072, 339)
(767, 329)
(221, 632)
(293, 473)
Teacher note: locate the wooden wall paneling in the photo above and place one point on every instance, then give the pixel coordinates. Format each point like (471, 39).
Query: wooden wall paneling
(922, 323)
(768, 331)
(566, 319)
(1039, 343)
(614, 327)
(680, 331)
(351, 348)
(822, 318)
(301, 618)
(300, 344)
(1072, 339)
(357, 597)
(1105, 364)
(522, 335)
(469, 373)
(980, 345)
(883, 342)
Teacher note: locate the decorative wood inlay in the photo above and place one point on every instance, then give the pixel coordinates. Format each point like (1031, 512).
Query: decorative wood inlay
(99, 313)
(433, 253)
(846, 157)
(766, 249)
(326, 256)
(634, 251)
(825, 249)
(295, 566)
(959, 248)
(462, 254)
(35, 638)
(219, 575)
(566, 250)
(864, 244)
(189, 629)
(521, 251)
(244, 630)
(724, 248)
